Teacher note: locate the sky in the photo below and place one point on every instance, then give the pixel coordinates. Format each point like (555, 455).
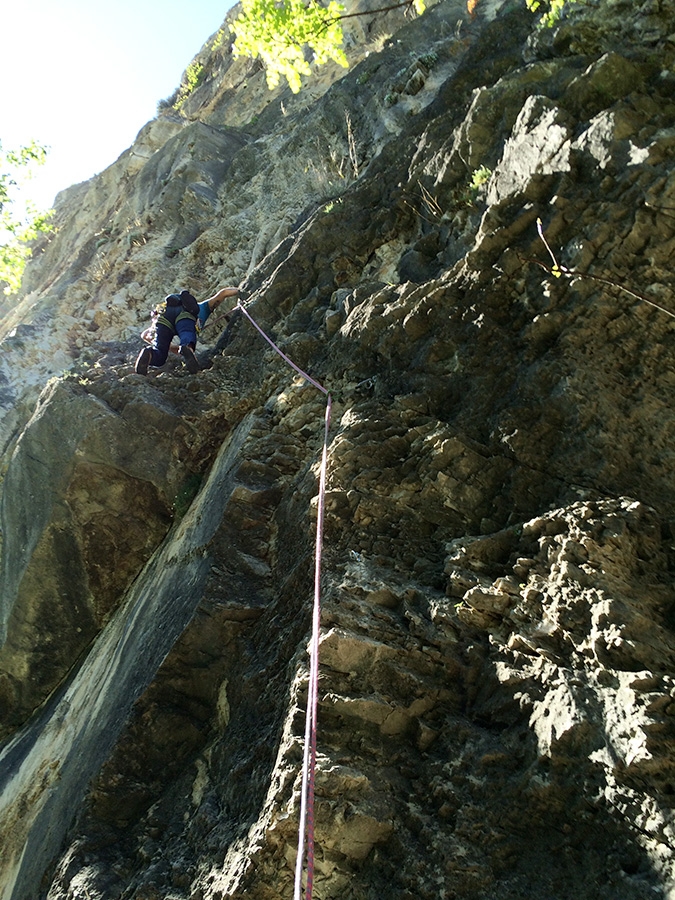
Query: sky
(84, 76)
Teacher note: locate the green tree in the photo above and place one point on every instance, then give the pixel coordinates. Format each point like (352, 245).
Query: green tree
(20, 222)
(279, 31)
(553, 10)
(194, 75)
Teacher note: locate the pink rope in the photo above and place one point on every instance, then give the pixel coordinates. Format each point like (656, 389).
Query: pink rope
(280, 352)
(314, 658)
(306, 826)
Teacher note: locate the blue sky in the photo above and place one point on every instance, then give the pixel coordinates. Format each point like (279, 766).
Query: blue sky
(84, 76)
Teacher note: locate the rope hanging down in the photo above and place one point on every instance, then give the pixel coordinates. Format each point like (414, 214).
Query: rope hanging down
(306, 827)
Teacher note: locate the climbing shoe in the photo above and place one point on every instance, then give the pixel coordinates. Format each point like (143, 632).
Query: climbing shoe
(190, 359)
(143, 361)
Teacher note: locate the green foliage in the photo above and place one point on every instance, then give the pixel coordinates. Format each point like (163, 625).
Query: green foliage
(468, 195)
(19, 223)
(187, 493)
(279, 31)
(552, 14)
(194, 75)
(429, 59)
(330, 206)
(480, 177)
(169, 102)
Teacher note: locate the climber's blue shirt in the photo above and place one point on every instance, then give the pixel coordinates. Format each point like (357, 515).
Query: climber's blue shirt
(204, 313)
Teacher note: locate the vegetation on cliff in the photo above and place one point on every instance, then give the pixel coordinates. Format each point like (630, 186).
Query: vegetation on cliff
(20, 222)
(287, 36)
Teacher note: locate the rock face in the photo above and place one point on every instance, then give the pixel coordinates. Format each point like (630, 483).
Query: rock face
(467, 239)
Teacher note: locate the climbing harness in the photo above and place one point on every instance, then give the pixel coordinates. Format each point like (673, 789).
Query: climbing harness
(306, 826)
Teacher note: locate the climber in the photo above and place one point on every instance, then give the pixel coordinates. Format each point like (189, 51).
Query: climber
(179, 316)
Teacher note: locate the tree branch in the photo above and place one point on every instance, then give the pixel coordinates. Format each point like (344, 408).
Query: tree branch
(368, 12)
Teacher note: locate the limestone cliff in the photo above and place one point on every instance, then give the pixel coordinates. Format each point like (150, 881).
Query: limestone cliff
(497, 694)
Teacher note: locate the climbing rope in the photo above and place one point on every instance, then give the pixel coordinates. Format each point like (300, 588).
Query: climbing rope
(306, 826)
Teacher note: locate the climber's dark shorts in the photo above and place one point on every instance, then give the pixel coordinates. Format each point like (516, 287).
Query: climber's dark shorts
(183, 325)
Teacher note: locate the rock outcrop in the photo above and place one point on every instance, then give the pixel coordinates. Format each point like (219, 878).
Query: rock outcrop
(467, 240)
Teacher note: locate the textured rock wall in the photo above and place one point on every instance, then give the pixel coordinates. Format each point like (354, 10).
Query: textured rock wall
(496, 692)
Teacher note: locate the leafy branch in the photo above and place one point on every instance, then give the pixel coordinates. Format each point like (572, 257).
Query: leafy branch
(194, 75)
(560, 271)
(554, 12)
(279, 32)
(18, 228)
